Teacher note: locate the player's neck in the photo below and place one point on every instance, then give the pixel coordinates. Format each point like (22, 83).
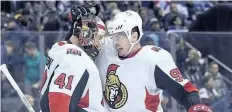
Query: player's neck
(136, 48)
(74, 40)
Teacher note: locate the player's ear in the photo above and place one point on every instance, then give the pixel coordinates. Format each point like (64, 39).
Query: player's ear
(134, 37)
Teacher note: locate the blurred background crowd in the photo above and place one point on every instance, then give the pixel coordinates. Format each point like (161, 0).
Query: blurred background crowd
(30, 28)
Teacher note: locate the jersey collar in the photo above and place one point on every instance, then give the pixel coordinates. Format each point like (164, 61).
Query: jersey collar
(130, 55)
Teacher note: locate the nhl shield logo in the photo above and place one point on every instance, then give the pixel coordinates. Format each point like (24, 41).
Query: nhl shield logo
(115, 92)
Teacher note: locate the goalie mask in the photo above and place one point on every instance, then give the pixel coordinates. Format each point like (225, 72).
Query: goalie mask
(93, 32)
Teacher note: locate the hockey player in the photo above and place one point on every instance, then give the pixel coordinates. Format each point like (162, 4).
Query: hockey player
(134, 76)
(71, 81)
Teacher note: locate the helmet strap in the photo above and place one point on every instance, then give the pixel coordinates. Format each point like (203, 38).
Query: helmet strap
(132, 46)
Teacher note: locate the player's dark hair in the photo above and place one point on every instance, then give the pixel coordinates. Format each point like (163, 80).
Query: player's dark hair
(136, 29)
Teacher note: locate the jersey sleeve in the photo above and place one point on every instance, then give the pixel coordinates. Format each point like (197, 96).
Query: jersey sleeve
(67, 84)
(168, 77)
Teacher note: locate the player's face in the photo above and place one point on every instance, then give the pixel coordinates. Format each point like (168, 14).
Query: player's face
(113, 93)
(122, 44)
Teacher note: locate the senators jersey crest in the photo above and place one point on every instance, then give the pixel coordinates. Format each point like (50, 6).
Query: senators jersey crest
(115, 91)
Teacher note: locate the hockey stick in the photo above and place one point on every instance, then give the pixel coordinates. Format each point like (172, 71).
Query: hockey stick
(16, 87)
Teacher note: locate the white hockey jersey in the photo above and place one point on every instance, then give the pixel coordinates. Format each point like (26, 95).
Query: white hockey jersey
(71, 81)
(134, 84)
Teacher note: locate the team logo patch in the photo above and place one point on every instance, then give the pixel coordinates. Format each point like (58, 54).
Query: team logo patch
(157, 49)
(115, 92)
(73, 51)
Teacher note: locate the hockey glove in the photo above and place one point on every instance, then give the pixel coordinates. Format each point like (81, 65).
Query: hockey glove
(76, 13)
(83, 10)
(75, 17)
(200, 108)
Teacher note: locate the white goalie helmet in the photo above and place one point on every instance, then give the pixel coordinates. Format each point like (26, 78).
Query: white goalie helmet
(101, 26)
(123, 23)
(100, 36)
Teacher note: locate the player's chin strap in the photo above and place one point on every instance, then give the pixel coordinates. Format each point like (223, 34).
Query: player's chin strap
(132, 44)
